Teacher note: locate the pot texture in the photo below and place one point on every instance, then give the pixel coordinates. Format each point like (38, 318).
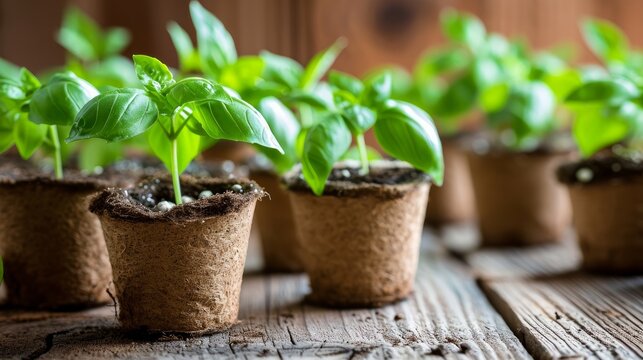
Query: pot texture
(52, 247)
(180, 270)
(518, 199)
(608, 217)
(453, 202)
(274, 217)
(361, 241)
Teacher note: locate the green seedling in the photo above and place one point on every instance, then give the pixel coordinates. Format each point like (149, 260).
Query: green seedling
(31, 113)
(174, 114)
(403, 130)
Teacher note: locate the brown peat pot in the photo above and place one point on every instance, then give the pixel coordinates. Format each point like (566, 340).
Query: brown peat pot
(361, 238)
(518, 199)
(178, 271)
(52, 246)
(275, 221)
(453, 202)
(607, 198)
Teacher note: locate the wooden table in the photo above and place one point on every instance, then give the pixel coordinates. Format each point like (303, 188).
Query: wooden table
(486, 304)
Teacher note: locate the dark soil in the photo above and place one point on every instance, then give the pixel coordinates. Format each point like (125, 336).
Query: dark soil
(137, 204)
(72, 180)
(599, 169)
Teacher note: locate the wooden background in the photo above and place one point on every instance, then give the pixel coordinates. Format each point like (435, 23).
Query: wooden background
(379, 31)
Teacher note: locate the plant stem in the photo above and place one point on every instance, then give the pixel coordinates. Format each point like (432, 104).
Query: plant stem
(58, 156)
(306, 114)
(176, 180)
(363, 154)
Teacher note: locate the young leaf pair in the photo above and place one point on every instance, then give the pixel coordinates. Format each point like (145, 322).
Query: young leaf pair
(175, 114)
(31, 112)
(403, 130)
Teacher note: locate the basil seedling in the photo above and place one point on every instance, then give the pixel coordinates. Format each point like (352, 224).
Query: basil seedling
(402, 130)
(174, 114)
(31, 112)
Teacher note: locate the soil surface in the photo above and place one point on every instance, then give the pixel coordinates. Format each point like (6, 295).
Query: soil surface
(138, 203)
(599, 169)
(346, 177)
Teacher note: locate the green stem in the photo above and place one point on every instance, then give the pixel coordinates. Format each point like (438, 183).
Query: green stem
(176, 181)
(58, 156)
(363, 153)
(306, 114)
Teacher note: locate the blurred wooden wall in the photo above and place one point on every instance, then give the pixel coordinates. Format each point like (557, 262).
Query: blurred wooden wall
(379, 31)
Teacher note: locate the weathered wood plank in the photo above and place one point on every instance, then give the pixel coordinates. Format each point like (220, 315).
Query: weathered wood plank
(446, 317)
(577, 316)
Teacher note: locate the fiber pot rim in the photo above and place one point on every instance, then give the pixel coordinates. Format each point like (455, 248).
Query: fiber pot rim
(340, 188)
(601, 170)
(114, 202)
(70, 182)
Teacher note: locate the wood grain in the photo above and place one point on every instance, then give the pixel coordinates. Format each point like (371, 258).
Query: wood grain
(574, 317)
(446, 317)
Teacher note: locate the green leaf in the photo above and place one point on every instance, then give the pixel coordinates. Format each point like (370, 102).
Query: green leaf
(299, 97)
(615, 91)
(9, 71)
(192, 89)
(463, 29)
(605, 40)
(115, 41)
(154, 75)
(285, 127)
(29, 81)
(98, 153)
(359, 118)
(215, 44)
(188, 146)
(80, 35)
(534, 105)
(188, 56)
(243, 74)
(562, 83)
(60, 99)
(407, 133)
(595, 128)
(378, 90)
(6, 139)
(230, 119)
(114, 116)
(28, 136)
(320, 64)
(10, 90)
(458, 99)
(346, 82)
(281, 70)
(494, 97)
(325, 144)
(113, 72)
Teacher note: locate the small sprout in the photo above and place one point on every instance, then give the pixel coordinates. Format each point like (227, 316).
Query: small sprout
(237, 188)
(187, 199)
(584, 175)
(205, 194)
(164, 206)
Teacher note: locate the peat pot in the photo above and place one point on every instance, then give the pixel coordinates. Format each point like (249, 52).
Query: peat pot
(53, 248)
(453, 202)
(180, 270)
(361, 238)
(275, 221)
(518, 200)
(607, 198)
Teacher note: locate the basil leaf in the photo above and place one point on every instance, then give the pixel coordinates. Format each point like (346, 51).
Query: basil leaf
(10, 90)
(463, 29)
(188, 56)
(115, 41)
(188, 146)
(281, 69)
(320, 64)
(80, 35)
(230, 119)
(29, 81)
(595, 128)
(6, 139)
(346, 82)
(215, 44)
(326, 142)
(28, 136)
(407, 133)
(243, 74)
(299, 97)
(285, 127)
(59, 100)
(359, 118)
(378, 90)
(605, 40)
(9, 71)
(154, 75)
(615, 91)
(115, 115)
(192, 89)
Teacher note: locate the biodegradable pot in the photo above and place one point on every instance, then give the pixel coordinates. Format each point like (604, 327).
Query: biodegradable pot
(179, 270)
(53, 248)
(361, 239)
(274, 218)
(453, 202)
(608, 214)
(518, 200)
